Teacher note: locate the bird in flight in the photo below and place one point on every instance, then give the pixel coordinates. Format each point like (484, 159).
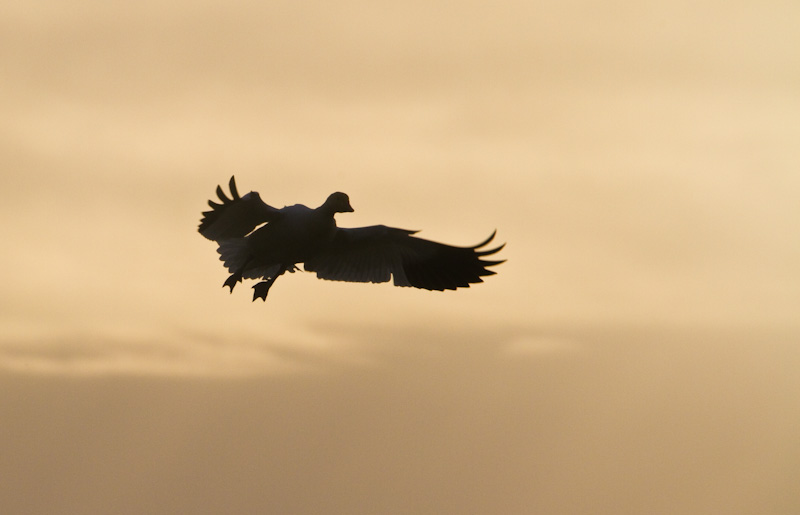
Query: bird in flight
(258, 241)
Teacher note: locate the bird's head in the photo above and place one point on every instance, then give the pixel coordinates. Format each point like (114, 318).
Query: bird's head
(338, 203)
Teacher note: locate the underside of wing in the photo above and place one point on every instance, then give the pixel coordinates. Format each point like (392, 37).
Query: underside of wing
(236, 216)
(378, 253)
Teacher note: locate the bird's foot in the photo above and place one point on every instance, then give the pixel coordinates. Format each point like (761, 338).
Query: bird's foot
(261, 289)
(232, 280)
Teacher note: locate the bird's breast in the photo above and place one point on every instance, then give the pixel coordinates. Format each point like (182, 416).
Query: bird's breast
(297, 236)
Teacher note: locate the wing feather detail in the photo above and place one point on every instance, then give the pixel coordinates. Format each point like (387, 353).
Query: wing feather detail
(236, 216)
(378, 253)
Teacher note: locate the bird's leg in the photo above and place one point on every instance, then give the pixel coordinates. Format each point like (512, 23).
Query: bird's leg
(261, 289)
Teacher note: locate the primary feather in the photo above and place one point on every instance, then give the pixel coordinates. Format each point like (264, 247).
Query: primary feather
(298, 234)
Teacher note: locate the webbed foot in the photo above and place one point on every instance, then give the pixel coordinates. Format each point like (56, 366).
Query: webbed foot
(232, 280)
(261, 289)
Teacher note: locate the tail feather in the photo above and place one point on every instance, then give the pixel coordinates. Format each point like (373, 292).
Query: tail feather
(234, 253)
(262, 272)
(237, 258)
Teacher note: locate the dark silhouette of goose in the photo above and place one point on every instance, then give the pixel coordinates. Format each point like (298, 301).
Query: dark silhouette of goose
(298, 234)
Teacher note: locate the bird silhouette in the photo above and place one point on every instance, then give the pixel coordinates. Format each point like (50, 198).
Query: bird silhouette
(258, 241)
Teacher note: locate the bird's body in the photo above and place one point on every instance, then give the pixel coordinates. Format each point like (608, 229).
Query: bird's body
(298, 234)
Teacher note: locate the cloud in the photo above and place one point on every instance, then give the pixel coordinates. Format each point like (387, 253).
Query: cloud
(441, 421)
(532, 345)
(169, 354)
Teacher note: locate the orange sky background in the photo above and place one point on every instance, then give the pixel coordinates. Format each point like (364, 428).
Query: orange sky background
(636, 354)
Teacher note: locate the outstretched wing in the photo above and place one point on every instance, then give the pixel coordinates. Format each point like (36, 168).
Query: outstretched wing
(236, 216)
(377, 253)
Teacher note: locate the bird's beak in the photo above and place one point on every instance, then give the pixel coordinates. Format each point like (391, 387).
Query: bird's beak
(349, 208)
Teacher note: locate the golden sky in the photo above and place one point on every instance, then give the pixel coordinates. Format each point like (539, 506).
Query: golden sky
(635, 354)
